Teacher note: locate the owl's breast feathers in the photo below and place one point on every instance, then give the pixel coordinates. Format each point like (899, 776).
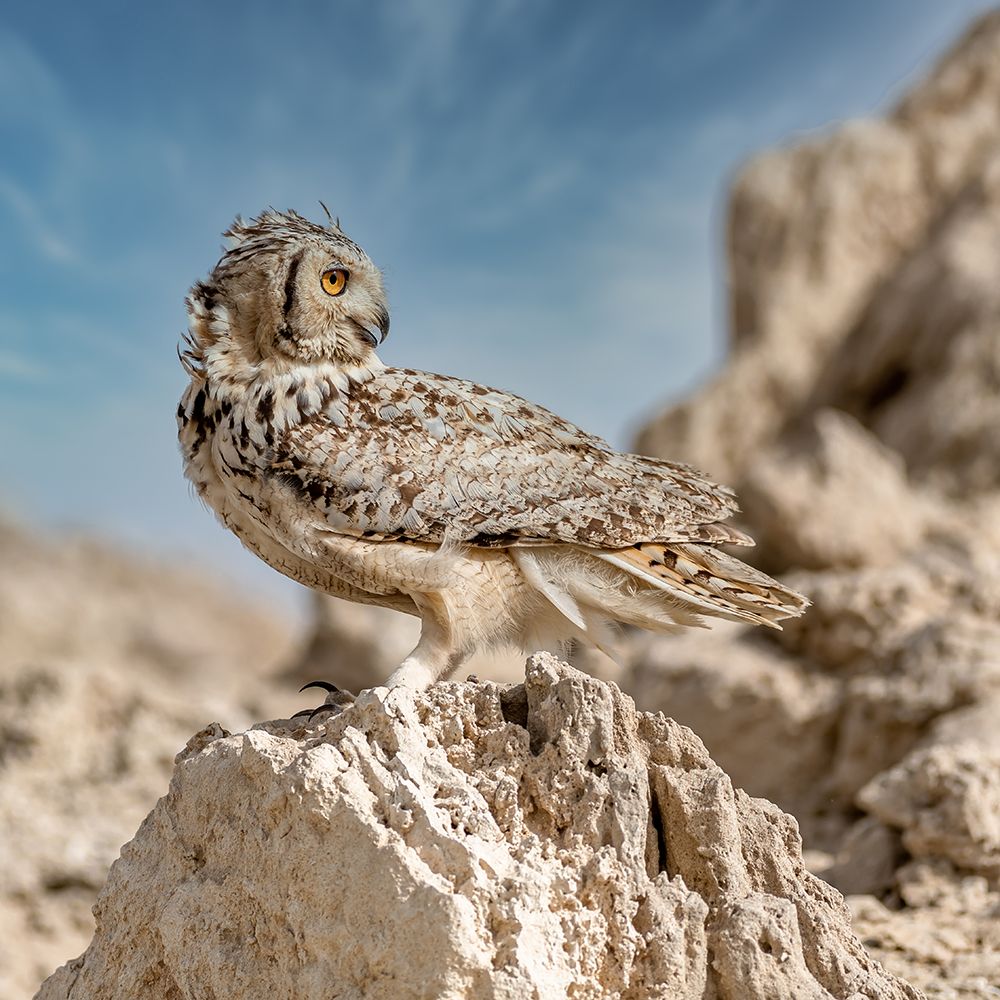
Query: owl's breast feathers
(400, 454)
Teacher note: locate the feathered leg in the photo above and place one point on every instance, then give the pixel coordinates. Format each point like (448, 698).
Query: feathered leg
(435, 656)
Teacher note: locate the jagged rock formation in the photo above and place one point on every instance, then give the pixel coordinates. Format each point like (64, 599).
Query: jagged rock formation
(541, 840)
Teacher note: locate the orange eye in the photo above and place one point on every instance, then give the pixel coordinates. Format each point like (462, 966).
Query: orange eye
(334, 282)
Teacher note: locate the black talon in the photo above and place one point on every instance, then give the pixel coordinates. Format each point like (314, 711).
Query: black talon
(305, 711)
(325, 685)
(323, 708)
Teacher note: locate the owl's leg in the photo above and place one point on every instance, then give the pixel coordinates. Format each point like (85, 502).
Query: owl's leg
(435, 655)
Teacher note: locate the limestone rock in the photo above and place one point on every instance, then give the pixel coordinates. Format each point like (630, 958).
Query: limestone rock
(540, 840)
(68, 596)
(945, 940)
(946, 802)
(740, 696)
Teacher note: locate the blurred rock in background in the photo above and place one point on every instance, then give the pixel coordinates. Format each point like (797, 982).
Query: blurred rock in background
(857, 417)
(107, 665)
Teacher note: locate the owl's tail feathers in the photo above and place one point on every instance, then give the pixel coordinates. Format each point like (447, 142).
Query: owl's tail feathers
(705, 580)
(652, 586)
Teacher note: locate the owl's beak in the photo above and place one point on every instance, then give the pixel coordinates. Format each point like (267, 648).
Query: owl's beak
(374, 333)
(370, 332)
(383, 323)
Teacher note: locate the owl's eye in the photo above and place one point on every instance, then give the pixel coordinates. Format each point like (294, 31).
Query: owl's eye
(334, 282)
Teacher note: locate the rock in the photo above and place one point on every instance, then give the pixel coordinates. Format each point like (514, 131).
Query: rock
(867, 860)
(946, 802)
(927, 339)
(856, 416)
(77, 597)
(946, 941)
(836, 474)
(473, 840)
(741, 696)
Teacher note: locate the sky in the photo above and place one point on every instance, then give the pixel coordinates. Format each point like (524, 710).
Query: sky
(543, 184)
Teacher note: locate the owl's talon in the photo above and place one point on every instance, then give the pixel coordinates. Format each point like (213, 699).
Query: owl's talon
(325, 685)
(336, 700)
(325, 708)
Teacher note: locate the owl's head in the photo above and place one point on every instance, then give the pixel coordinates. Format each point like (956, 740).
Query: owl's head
(288, 291)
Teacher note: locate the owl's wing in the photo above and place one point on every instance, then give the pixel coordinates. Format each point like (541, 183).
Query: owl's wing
(423, 457)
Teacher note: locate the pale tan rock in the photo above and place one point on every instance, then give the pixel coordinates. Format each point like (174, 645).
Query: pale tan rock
(920, 367)
(867, 859)
(542, 840)
(946, 940)
(741, 696)
(945, 799)
(107, 663)
(835, 474)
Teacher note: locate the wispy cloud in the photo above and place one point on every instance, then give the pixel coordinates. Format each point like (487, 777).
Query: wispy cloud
(51, 244)
(20, 368)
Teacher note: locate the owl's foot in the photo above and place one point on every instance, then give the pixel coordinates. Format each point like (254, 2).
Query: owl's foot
(336, 700)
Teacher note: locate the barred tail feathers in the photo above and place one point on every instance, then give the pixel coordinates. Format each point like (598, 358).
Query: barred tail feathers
(711, 581)
(656, 587)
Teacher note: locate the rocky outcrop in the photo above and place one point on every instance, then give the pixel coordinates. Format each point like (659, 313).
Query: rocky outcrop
(538, 840)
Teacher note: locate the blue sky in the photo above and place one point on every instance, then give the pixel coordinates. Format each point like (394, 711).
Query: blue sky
(542, 182)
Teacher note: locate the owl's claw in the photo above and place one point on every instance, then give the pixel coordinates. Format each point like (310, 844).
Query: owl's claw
(336, 701)
(325, 685)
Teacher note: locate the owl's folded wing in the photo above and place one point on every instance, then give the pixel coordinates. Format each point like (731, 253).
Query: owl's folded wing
(426, 458)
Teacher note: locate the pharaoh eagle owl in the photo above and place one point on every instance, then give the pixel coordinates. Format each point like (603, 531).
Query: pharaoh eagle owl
(488, 517)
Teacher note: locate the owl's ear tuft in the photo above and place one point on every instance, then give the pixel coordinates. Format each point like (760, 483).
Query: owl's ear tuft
(333, 220)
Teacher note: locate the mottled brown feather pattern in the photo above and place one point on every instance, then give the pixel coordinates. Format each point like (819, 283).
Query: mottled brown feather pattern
(421, 456)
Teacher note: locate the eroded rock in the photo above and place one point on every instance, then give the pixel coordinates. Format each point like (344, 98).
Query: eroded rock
(471, 841)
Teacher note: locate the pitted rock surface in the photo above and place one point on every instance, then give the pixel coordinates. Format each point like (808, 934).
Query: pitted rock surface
(544, 840)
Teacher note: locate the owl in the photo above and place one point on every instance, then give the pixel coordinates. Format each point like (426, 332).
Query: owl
(490, 518)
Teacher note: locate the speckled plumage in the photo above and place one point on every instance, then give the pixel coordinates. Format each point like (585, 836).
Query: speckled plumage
(489, 516)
